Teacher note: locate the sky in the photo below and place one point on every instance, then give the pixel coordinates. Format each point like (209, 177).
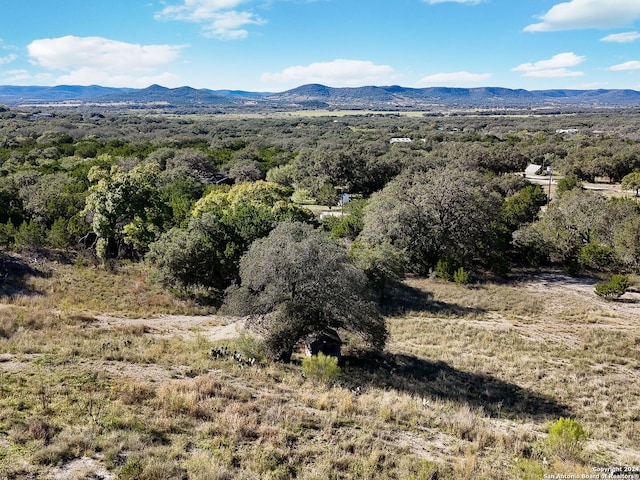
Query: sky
(276, 45)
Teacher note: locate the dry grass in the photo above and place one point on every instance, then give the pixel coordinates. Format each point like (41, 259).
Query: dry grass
(467, 388)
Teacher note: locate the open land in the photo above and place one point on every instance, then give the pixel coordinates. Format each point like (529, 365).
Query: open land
(470, 381)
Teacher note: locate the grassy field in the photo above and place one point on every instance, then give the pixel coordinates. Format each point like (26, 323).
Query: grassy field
(471, 381)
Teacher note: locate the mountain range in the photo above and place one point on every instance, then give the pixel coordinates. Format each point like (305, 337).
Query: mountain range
(314, 97)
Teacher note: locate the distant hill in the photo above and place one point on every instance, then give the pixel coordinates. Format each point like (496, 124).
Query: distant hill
(315, 96)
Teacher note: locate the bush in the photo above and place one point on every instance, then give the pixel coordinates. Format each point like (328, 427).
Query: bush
(446, 269)
(597, 257)
(29, 235)
(461, 276)
(251, 347)
(321, 368)
(613, 288)
(566, 438)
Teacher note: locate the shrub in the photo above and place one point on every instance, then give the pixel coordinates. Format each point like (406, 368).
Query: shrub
(613, 288)
(446, 268)
(251, 347)
(29, 235)
(598, 257)
(461, 276)
(321, 368)
(566, 438)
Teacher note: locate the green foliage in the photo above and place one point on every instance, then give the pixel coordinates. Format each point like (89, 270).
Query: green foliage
(568, 182)
(125, 206)
(613, 288)
(206, 253)
(321, 368)
(446, 268)
(627, 242)
(383, 264)
(328, 195)
(596, 257)
(566, 438)
(58, 236)
(7, 233)
(528, 469)
(251, 347)
(350, 224)
(180, 194)
(461, 276)
(572, 221)
(30, 234)
(435, 214)
(631, 181)
(301, 282)
(523, 207)
(282, 175)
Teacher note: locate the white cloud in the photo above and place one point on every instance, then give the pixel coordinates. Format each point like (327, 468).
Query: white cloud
(579, 14)
(220, 18)
(226, 26)
(8, 59)
(626, 37)
(93, 60)
(454, 78)
(337, 73)
(556, 67)
(626, 66)
(23, 77)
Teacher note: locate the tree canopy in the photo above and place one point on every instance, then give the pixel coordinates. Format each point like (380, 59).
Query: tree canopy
(434, 214)
(223, 224)
(304, 283)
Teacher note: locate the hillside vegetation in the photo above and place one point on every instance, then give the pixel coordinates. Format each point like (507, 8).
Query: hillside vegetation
(159, 275)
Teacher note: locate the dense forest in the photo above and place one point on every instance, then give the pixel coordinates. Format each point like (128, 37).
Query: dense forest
(191, 194)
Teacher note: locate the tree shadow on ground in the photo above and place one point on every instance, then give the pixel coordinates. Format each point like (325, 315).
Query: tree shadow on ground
(14, 273)
(402, 299)
(425, 378)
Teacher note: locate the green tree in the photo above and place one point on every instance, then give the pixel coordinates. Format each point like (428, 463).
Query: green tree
(434, 214)
(631, 182)
(571, 222)
(383, 264)
(223, 224)
(627, 242)
(523, 207)
(125, 208)
(328, 195)
(613, 288)
(303, 283)
(568, 182)
(202, 255)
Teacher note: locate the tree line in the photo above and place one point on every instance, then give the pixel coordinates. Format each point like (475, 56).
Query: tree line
(219, 206)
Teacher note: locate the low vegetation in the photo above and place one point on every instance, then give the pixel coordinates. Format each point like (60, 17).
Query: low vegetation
(492, 380)
(159, 275)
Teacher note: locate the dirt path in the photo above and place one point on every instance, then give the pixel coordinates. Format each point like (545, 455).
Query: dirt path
(211, 327)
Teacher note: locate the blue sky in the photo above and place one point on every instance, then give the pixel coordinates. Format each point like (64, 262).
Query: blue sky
(275, 45)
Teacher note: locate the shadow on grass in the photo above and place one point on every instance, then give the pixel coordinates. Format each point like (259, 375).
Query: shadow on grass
(421, 377)
(14, 272)
(402, 299)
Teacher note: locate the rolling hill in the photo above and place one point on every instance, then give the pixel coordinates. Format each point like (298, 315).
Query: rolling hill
(315, 96)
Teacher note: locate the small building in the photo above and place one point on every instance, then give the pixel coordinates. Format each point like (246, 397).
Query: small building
(327, 342)
(400, 140)
(532, 170)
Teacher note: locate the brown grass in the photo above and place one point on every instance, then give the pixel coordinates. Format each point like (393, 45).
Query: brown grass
(467, 388)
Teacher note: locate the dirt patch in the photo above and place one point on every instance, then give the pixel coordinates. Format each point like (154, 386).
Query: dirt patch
(211, 327)
(84, 467)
